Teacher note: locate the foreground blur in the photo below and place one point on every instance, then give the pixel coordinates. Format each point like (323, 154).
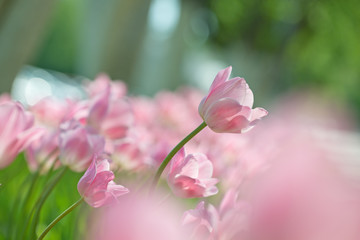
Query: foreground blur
(292, 177)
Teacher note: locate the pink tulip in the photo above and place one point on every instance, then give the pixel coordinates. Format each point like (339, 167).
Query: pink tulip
(228, 105)
(110, 117)
(101, 82)
(16, 131)
(97, 185)
(191, 176)
(201, 222)
(50, 111)
(227, 222)
(128, 154)
(78, 145)
(45, 148)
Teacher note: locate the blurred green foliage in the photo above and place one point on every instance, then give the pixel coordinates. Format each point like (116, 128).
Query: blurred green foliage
(280, 44)
(16, 180)
(315, 43)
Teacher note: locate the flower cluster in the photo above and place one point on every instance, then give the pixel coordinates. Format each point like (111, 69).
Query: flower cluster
(275, 182)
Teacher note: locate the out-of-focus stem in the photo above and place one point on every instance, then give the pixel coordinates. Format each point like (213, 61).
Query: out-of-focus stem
(38, 206)
(34, 178)
(61, 216)
(174, 151)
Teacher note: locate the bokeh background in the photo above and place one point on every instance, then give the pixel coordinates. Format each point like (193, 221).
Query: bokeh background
(47, 47)
(152, 45)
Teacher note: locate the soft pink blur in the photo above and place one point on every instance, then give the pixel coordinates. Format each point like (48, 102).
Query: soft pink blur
(51, 112)
(190, 176)
(16, 131)
(110, 116)
(5, 97)
(138, 217)
(97, 185)
(228, 222)
(43, 152)
(201, 222)
(101, 82)
(305, 197)
(78, 145)
(228, 105)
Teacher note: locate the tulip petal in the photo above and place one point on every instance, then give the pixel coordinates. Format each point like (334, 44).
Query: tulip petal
(99, 109)
(190, 168)
(222, 109)
(205, 166)
(188, 187)
(234, 88)
(177, 160)
(221, 77)
(258, 113)
(248, 99)
(87, 178)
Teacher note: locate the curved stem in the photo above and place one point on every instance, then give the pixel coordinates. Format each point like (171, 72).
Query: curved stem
(24, 204)
(40, 202)
(61, 216)
(174, 151)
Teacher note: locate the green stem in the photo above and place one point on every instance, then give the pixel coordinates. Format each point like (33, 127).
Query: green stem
(24, 205)
(38, 206)
(35, 177)
(174, 151)
(61, 216)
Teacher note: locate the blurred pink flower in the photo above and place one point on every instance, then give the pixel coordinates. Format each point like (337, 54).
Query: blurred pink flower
(45, 148)
(50, 112)
(5, 97)
(97, 185)
(110, 117)
(78, 145)
(16, 131)
(101, 82)
(201, 222)
(305, 197)
(128, 154)
(190, 176)
(229, 222)
(98, 108)
(228, 105)
(138, 217)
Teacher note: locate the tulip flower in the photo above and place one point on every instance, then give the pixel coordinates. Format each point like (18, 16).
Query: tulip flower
(229, 221)
(110, 117)
(43, 152)
(78, 145)
(202, 221)
(50, 112)
(97, 186)
(191, 176)
(228, 105)
(102, 82)
(16, 131)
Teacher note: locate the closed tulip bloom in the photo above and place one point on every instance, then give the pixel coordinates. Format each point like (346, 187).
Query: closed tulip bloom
(97, 185)
(16, 131)
(191, 176)
(228, 105)
(78, 145)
